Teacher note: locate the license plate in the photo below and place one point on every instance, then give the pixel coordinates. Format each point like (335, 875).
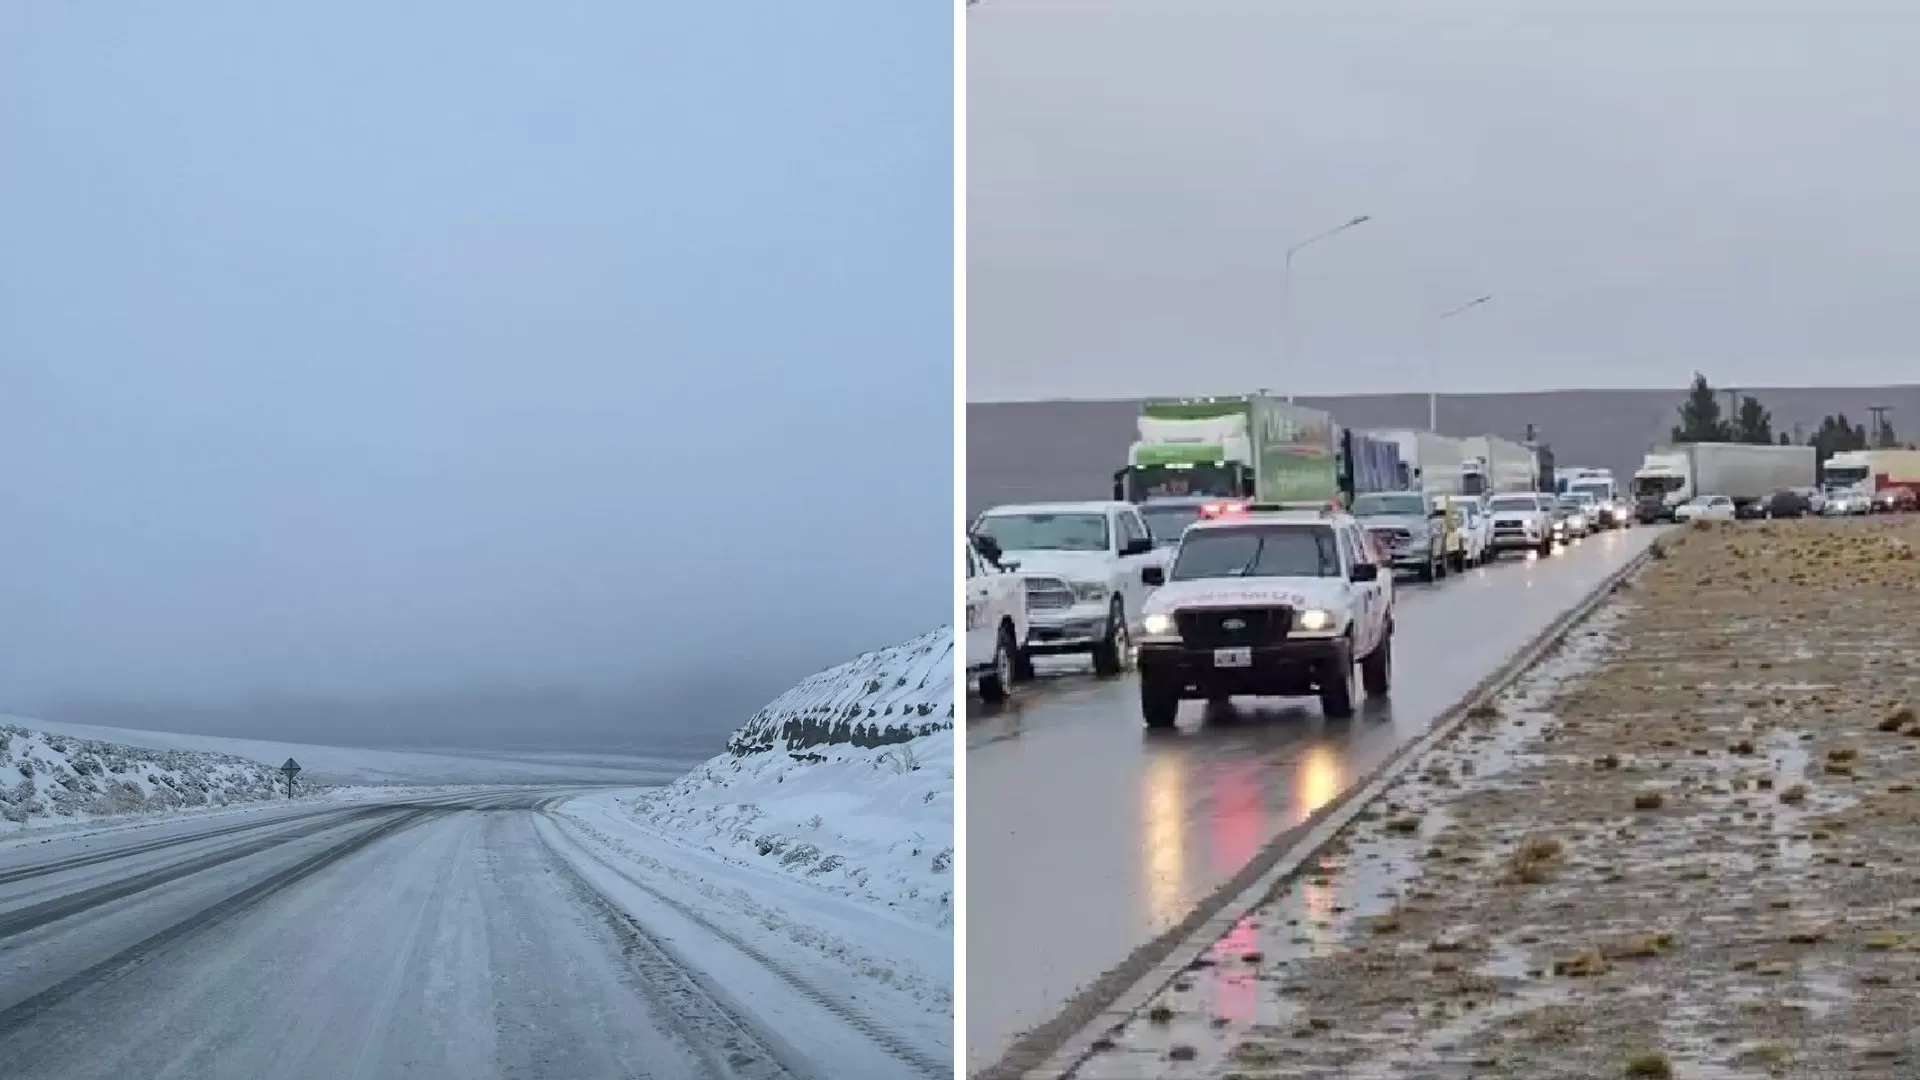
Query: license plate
(1233, 658)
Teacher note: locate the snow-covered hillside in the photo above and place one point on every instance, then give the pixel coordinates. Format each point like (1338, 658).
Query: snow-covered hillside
(48, 778)
(845, 781)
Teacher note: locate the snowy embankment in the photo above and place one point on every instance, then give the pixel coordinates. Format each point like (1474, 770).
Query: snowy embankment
(51, 778)
(810, 868)
(844, 781)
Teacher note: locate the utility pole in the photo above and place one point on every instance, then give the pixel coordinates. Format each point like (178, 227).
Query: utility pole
(1433, 367)
(1286, 290)
(1879, 422)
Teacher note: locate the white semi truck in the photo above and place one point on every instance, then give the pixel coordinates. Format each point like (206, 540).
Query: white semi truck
(1743, 472)
(1494, 466)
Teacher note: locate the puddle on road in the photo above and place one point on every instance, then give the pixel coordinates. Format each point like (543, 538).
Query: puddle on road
(1233, 1010)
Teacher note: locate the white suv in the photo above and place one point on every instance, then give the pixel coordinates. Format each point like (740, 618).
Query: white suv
(996, 624)
(1085, 567)
(1273, 602)
(1523, 521)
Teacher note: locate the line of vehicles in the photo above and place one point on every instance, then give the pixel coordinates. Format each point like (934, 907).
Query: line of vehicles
(1743, 480)
(1262, 527)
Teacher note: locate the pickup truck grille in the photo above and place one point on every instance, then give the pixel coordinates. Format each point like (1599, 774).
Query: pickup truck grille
(1390, 536)
(1217, 628)
(1048, 594)
(1509, 527)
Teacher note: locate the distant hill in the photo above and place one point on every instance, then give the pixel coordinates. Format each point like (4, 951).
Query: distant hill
(1023, 451)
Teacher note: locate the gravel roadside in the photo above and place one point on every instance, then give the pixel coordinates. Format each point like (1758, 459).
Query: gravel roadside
(1687, 845)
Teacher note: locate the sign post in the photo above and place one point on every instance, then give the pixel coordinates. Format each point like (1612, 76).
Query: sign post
(290, 770)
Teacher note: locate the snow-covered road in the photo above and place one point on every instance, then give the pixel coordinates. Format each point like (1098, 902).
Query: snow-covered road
(501, 932)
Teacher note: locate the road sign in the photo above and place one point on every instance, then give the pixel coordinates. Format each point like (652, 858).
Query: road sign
(290, 770)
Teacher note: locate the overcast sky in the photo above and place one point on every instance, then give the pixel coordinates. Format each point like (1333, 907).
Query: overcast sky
(360, 348)
(1644, 189)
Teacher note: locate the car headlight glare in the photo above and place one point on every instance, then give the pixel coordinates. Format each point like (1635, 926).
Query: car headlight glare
(1313, 619)
(1157, 624)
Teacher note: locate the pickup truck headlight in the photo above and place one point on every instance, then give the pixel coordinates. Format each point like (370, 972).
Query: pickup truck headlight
(1157, 624)
(1090, 592)
(1313, 619)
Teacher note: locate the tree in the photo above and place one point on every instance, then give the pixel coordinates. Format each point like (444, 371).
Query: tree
(1786, 439)
(1753, 424)
(1836, 434)
(1700, 415)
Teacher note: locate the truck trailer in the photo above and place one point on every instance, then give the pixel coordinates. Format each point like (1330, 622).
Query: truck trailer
(1251, 447)
(1429, 462)
(1495, 465)
(1743, 472)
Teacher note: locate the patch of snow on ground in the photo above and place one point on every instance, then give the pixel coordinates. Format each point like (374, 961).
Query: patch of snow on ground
(845, 782)
(48, 777)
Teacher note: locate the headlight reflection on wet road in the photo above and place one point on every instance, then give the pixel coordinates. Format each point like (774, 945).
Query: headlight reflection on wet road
(1164, 839)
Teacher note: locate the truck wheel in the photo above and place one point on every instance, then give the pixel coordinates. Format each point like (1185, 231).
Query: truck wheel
(1546, 547)
(1022, 666)
(1159, 703)
(994, 684)
(1376, 670)
(1426, 572)
(1336, 684)
(1110, 656)
(1440, 569)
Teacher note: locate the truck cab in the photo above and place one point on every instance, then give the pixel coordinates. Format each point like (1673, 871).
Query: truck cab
(1083, 565)
(1275, 601)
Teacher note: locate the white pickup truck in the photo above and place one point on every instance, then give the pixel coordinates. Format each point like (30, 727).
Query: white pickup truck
(1084, 565)
(1269, 603)
(996, 623)
(1523, 521)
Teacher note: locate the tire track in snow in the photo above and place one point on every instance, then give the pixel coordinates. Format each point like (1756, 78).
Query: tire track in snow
(886, 1038)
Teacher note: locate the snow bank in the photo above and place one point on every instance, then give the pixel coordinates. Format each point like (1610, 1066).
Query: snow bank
(47, 777)
(844, 781)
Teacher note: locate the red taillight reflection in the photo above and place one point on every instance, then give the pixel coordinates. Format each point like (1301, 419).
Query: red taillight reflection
(1221, 509)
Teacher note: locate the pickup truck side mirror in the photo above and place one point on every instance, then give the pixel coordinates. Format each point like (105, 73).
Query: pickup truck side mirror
(1010, 565)
(1137, 547)
(1437, 512)
(988, 547)
(1364, 572)
(1153, 575)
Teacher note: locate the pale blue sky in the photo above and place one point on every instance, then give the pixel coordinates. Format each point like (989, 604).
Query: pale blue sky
(360, 347)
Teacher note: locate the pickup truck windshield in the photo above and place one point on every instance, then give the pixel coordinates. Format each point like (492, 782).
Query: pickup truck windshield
(1046, 532)
(1258, 551)
(1166, 523)
(1374, 504)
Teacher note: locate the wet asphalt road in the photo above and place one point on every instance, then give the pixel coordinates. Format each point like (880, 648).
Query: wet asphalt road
(1089, 837)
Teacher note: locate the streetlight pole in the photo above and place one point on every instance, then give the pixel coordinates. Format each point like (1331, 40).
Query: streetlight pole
(1433, 367)
(1286, 288)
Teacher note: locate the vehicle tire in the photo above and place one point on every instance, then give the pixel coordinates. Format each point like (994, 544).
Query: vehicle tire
(1440, 569)
(1159, 703)
(1110, 656)
(1022, 666)
(995, 684)
(1336, 684)
(1546, 547)
(1376, 669)
(1426, 573)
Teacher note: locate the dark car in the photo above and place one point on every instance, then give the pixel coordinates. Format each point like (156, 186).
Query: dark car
(1785, 504)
